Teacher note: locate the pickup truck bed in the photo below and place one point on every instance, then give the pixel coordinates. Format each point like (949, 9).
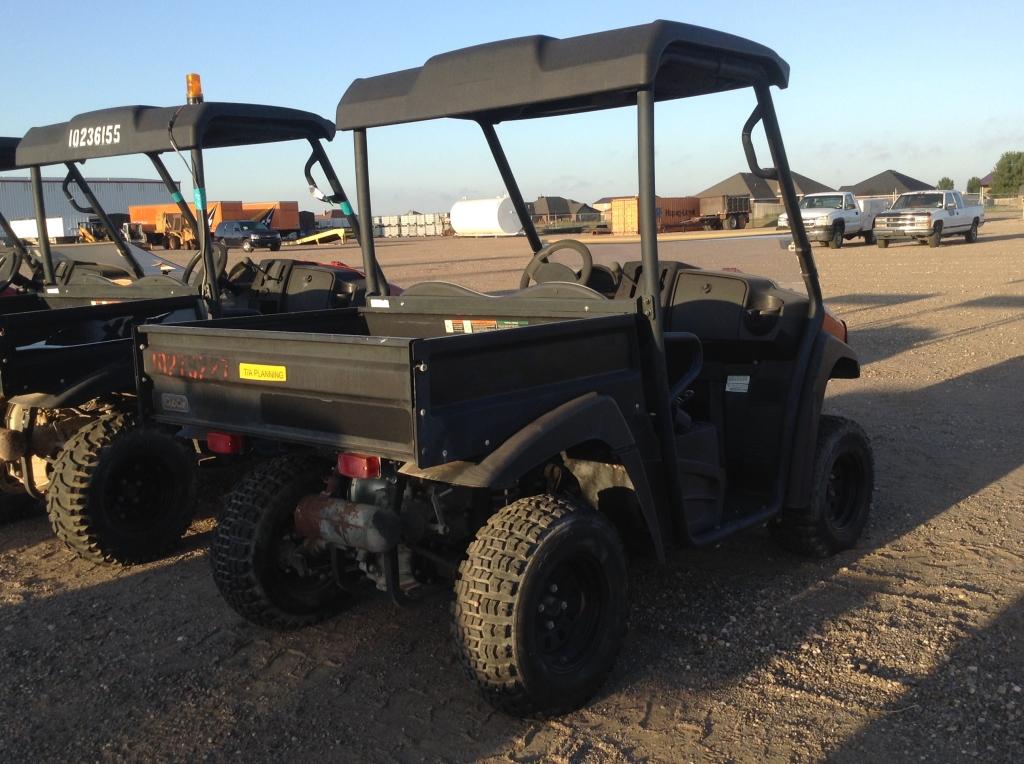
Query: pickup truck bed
(408, 385)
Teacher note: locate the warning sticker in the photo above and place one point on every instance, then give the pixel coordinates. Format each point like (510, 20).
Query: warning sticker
(262, 373)
(737, 384)
(481, 325)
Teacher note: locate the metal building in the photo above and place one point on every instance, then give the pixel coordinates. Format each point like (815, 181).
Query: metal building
(114, 194)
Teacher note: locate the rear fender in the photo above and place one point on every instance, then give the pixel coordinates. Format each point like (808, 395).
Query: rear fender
(831, 359)
(589, 418)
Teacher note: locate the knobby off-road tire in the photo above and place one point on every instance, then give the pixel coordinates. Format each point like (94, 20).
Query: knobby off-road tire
(836, 240)
(843, 481)
(253, 548)
(121, 493)
(540, 606)
(936, 237)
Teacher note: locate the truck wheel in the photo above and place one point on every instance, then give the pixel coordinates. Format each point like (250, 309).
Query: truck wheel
(264, 570)
(836, 241)
(843, 481)
(121, 493)
(732, 223)
(275, 247)
(869, 238)
(882, 243)
(540, 605)
(247, 246)
(972, 233)
(936, 237)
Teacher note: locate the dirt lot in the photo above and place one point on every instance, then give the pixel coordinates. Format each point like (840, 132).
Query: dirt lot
(910, 647)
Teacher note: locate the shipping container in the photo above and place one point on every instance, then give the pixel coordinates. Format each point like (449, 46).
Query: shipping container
(671, 212)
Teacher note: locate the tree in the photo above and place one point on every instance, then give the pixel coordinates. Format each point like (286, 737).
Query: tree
(974, 185)
(945, 183)
(1008, 176)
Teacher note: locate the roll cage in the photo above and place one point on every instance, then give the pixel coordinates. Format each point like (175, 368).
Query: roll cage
(154, 131)
(539, 76)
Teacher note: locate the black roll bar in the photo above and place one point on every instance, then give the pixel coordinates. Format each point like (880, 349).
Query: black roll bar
(16, 242)
(172, 189)
(511, 186)
(365, 219)
(210, 288)
(42, 234)
(96, 209)
(337, 196)
(764, 112)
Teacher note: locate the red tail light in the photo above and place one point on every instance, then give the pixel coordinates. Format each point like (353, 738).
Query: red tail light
(359, 466)
(225, 442)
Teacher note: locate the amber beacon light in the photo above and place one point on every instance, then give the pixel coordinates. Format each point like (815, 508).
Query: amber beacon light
(194, 88)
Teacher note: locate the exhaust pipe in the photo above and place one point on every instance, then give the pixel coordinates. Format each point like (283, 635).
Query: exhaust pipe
(347, 523)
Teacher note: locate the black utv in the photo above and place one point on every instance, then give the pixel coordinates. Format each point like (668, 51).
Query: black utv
(114, 492)
(512, 444)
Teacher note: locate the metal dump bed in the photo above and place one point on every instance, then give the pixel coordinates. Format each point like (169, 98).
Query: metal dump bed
(425, 399)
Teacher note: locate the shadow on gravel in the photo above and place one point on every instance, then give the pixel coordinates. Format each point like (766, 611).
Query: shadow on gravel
(718, 616)
(876, 343)
(869, 300)
(981, 687)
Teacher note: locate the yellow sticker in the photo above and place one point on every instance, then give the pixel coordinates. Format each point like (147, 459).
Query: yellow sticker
(262, 372)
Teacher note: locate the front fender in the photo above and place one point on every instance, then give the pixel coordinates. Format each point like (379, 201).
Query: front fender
(590, 417)
(832, 359)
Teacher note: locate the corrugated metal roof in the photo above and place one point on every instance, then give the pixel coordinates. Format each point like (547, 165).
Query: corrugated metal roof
(114, 194)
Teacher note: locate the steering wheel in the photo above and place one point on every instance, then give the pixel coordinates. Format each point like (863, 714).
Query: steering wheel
(220, 261)
(541, 270)
(10, 264)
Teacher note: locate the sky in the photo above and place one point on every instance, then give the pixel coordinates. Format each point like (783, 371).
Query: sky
(929, 89)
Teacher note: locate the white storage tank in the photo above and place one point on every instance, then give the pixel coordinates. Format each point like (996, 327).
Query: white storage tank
(485, 217)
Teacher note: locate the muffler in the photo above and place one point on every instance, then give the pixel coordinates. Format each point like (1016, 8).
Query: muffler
(347, 523)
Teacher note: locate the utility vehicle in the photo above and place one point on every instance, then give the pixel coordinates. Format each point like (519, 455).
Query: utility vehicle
(113, 492)
(516, 444)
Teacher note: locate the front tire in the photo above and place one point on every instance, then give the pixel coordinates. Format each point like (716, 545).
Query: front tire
(936, 236)
(843, 482)
(869, 238)
(836, 240)
(263, 569)
(540, 606)
(121, 493)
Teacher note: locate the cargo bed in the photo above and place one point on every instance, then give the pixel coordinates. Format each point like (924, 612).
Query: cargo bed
(408, 385)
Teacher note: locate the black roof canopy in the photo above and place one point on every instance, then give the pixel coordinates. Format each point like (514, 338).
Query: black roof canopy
(7, 148)
(543, 76)
(145, 129)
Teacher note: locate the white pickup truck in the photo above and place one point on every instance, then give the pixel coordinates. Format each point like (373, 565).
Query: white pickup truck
(832, 217)
(928, 216)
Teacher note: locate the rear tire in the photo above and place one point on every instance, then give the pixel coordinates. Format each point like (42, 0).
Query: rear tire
(972, 233)
(121, 493)
(842, 485)
(936, 237)
(731, 223)
(540, 606)
(255, 541)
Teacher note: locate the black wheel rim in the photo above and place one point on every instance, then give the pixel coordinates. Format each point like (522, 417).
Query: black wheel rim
(141, 493)
(843, 492)
(569, 610)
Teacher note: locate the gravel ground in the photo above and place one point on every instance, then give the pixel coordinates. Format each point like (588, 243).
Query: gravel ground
(910, 647)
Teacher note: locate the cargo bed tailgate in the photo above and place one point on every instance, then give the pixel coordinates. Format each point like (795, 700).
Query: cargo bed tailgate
(344, 391)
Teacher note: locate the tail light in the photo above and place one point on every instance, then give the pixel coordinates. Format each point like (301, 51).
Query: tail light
(358, 466)
(225, 442)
